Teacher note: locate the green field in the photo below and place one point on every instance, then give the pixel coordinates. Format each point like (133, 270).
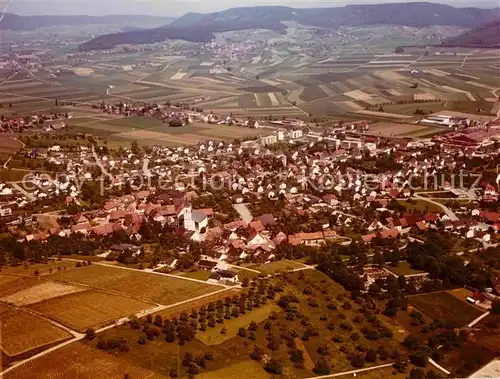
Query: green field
(240, 370)
(137, 122)
(277, 266)
(213, 336)
(403, 268)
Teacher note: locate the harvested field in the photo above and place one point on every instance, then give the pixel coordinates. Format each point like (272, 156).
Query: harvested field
(150, 287)
(13, 284)
(248, 101)
(312, 93)
(23, 331)
(384, 114)
(88, 308)
(41, 292)
(443, 305)
(263, 100)
(77, 360)
(388, 129)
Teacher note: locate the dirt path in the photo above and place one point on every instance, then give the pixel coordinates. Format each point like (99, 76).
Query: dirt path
(308, 362)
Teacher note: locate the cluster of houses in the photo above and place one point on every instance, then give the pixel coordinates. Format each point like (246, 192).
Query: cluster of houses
(48, 122)
(310, 178)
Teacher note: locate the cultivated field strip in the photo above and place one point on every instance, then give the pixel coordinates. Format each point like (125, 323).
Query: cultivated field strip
(23, 331)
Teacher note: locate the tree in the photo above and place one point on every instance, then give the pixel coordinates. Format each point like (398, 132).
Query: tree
(274, 366)
(374, 289)
(257, 353)
(401, 365)
(169, 334)
(495, 306)
(90, 334)
(187, 359)
(433, 375)
(419, 358)
(242, 332)
(158, 320)
(135, 147)
(297, 356)
(323, 349)
(378, 259)
(399, 50)
(322, 367)
(371, 356)
(357, 360)
(417, 373)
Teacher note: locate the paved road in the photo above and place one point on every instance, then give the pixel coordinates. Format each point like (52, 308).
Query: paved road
(448, 211)
(470, 325)
(352, 372)
(439, 367)
(244, 268)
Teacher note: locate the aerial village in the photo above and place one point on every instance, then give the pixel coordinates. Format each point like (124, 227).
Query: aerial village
(223, 208)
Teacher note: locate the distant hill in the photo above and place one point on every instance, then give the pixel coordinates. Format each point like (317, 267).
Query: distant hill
(16, 22)
(200, 27)
(485, 36)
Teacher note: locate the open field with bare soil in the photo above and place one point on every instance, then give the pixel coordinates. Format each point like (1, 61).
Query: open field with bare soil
(77, 360)
(88, 308)
(395, 129)
(41, 292)
(141, 285)
(10, 285)
(150, 131)
(23, 331)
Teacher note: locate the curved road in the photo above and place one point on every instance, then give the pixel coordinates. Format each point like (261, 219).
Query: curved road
(448, 211)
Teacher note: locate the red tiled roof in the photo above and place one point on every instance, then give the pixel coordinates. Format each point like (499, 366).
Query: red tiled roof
(103, 230)
(208, 211)
(116, 215)
(257, 226)
(78, 227)
(389, 233)
(490, 216)
(368, 237)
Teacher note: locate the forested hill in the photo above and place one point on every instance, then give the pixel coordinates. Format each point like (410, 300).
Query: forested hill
(201, 27)
(484, 36)
(15, 22)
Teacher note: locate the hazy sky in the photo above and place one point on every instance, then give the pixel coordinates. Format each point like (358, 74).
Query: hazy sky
(179, 7)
